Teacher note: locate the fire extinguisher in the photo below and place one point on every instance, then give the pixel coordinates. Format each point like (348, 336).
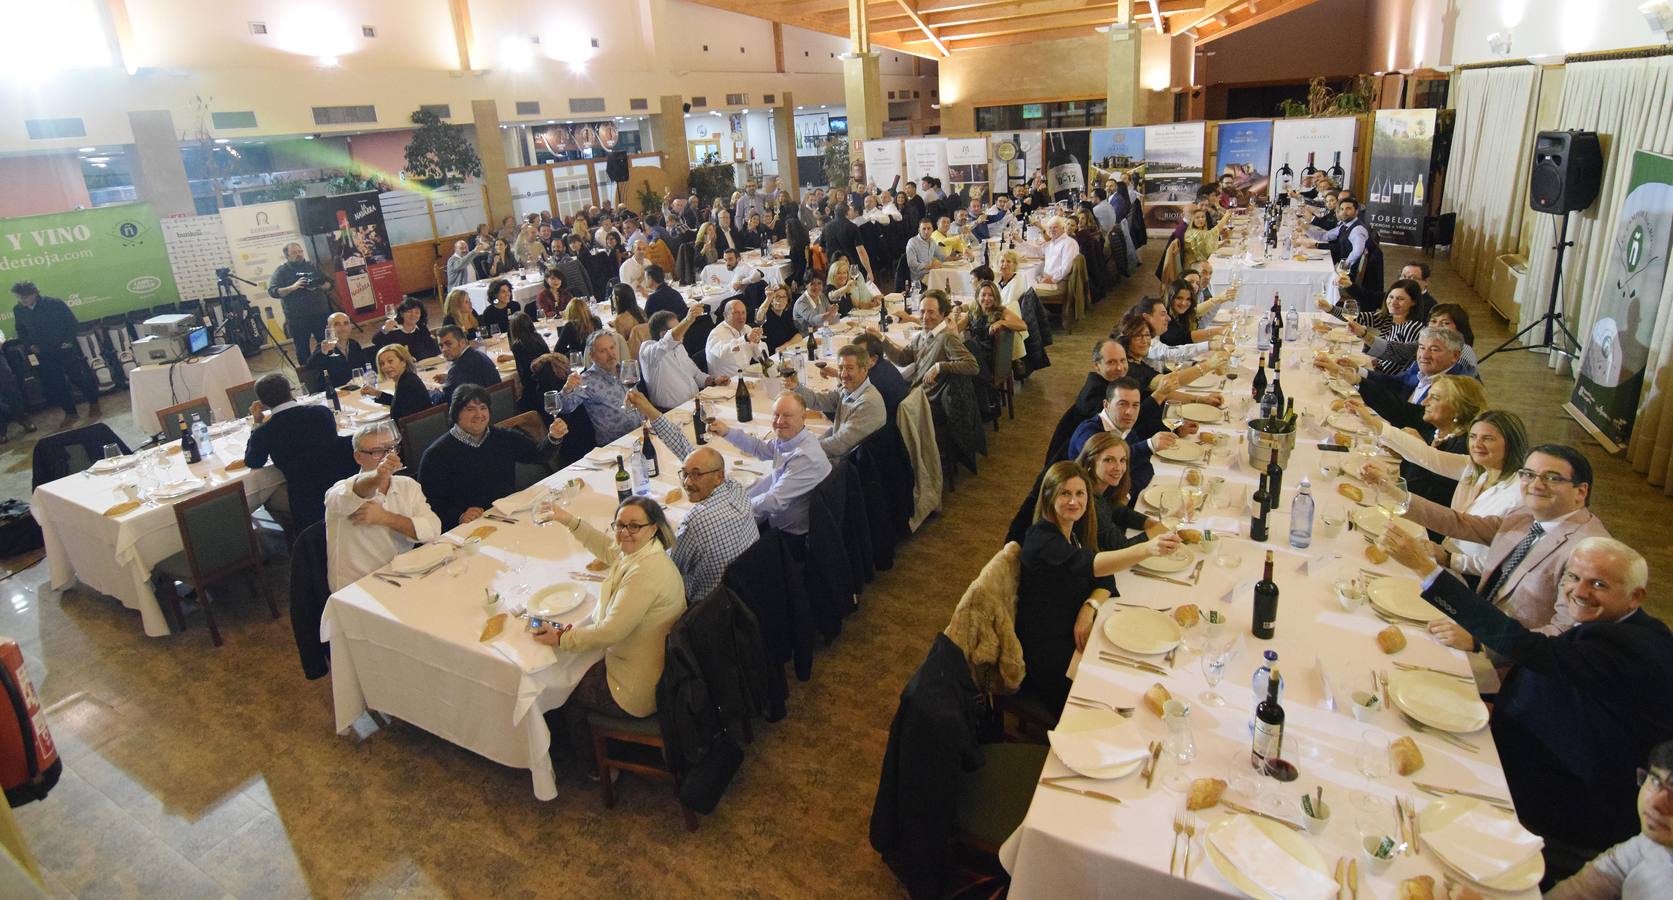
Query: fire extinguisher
(29, 763)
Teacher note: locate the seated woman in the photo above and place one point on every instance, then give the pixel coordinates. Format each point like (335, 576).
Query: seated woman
(777, 319)
(1396, 321)
(497, 314)
(472, 465)
(848, 290)
(538, 369)
(500, 261)
(578, 323)
(757, 236)
(1453, 402)
(1185, 314)
(641, 598)
(1443, 315)
(1064, 580)
(988, 318)
(1496, 445)
(411, 329)
(457, 310)
(630, 321)
(1201, 239)
(1135, 337)
(552, 299)
(1105, 457)
(396, 364)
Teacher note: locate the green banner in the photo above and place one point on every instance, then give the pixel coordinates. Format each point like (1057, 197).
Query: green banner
(100, 261)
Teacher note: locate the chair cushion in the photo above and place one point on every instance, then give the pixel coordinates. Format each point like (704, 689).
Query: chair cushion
(648, 726)
(174, 567)
(993, 800)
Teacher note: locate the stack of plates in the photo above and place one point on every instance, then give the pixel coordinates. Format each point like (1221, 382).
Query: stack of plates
(1347, 421)
(1160, 498)
(1201, 412)
(1182, 451)
(1402, 597)
(556, 599)
(1438, 814)
(179, 487)
(115, 464)
(422, 558)
(1441, 702)
(1292, 844)
(1178, 562)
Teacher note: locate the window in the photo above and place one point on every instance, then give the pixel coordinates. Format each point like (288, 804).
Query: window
(1062, 114)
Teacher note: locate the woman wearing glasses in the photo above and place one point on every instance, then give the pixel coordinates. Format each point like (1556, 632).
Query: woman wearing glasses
(641, 597)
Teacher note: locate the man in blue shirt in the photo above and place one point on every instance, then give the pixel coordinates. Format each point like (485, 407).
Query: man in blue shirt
(799, 465)
(599, 388)
(468, 364)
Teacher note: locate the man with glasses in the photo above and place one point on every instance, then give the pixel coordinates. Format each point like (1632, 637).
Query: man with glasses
(1578, 710)
(1528, 546)
(375, 515)
(798, 465)
(720, 525)
(1641, 866)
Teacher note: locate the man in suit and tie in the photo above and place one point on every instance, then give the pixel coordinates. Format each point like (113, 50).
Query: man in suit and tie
(856, 408)
(1528, 546)
(1124, 415)
(935, 353)
(1399, 398)
(1578, 711)
(302, 441)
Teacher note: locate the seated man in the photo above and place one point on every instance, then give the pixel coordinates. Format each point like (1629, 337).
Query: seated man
(472, 465)
(733, 344)
(669, 375)
(1579, 710)
(1527, 547)
(599, 389)
(468, 364)
(936, 351)
(376, 515)
(1124, 414)
(1060, 252)
(882, 374)
(720, 525)
(730, 273)
(632, 271)
(302, 442)
(799, 464)
(1640, 867)
(1399, 398)
(662, 296)
(339, 356)
(923, 253)
(855, 407)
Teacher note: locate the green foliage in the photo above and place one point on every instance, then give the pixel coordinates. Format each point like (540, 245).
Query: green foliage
(346, 183)
(837, 165)
(277, 189)
(649, 201)
(711, 181)
(1322, 101)
(439, 154)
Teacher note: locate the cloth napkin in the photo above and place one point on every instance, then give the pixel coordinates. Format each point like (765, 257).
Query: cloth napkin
(1099, 748)
(1266, 864)
(519, 501)
(1484, 844)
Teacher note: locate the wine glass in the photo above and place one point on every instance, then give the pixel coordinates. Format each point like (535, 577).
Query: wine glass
(575, 361)
(554, 403)
(1371, 754)
(1217, 653)
(1394, 498)
(389, 312)
(630, 374)
(112, 451)
(1193, 488)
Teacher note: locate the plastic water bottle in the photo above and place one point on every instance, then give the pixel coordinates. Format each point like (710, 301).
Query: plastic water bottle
(1263, 339)
(200, 433)
(1257, 685)
(1301, 516)
(1292, 325)
(636, 466)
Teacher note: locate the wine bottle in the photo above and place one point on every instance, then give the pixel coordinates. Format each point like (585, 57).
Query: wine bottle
(652, 470)
(1417, 192)
(1257, 516)
(1258, 383)
(1335, 171)
(699, 428)
(1269, 724)
(1286, 176)
(1264, 622)
(624, 482)
(336, 404)
(746, 410)
(1274, 482)
(1309, 171)
(1278, 392)
(188, 444)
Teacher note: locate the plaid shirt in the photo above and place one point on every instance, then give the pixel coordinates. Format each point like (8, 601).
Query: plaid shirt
(715, 532)
(605, 398)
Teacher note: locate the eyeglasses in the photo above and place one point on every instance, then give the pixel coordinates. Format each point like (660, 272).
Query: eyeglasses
(1656, 782)
(631, 527)
(381, 452)
(1549, 478)
(694, 474)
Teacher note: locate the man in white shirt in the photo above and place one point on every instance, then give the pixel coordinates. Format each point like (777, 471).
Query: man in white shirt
(632, 272)
(669, 375)
(1154, 312)
(733, 344)
(372, 517)
(731, 273)
(923, 253)
(1642, 866)
(1060, 252)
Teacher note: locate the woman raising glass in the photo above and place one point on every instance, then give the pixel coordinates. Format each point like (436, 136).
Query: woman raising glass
(776, 318)
(1105, 457)
(1396, 321)
(411, 396)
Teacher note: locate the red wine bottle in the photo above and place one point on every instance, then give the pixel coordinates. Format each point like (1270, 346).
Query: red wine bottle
(1269, 726)
(1265, 618)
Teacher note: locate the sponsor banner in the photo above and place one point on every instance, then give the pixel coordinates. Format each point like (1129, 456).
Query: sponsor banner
(925, 156)
(1066, 156)
(100, 261)
(346, 237)
(884, 162)
(811, 131)
(1115, 152)
(1605, 397)
(582, 140)
(256, 237)
(196, 248)
(1013, 157)
(1172, 172)
(967, 165)
(1326, 145)
(1244, 152)
(1400, 190)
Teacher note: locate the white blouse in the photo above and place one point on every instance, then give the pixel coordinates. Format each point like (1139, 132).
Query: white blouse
(1483, 494)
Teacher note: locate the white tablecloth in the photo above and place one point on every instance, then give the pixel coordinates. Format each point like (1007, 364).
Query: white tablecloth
(523, 289)
(151, 388)
(1295, 282)
(956, 280)
(1071, 846)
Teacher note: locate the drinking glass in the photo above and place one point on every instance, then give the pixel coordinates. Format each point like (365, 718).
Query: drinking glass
(630, 374)
(389, 312)
(575, 361)
(1371, 755)
(112, 451)
(1217, 653)
(545, 507)
(1193, 489)
(554, 402)
(1394, 498)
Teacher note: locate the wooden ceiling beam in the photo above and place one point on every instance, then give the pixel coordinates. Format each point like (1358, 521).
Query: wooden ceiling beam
(1005, 40)
(1267, 15)
(1086, 21)
(747, 8)
(927, 31)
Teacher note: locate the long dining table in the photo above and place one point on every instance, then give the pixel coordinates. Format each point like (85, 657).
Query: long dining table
(1072, 845)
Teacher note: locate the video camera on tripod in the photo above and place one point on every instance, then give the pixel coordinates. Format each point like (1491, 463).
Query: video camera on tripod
(240, 319)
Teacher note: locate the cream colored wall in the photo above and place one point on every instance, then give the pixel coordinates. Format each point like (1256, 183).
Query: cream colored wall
(1549, 27)
(1003, 76)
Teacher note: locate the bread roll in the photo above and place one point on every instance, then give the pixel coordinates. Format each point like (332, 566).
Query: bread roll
(1407, 758)
(673, 496)
(1350, 491)
(1420, 887)
(1155, 698)
(1204, 793)
(1187, 615)
(481, 532)
(597, 565)
(1338, 405)
(1375, 554)
(1189, 536)
(1391, 639)
(491, 630)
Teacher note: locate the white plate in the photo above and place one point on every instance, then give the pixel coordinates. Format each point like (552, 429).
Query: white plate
(1401, 596)
(1076, 718)
(1178, 562)
(1160, 498)
(1206, 383)
(369, 415)
(106, 466)
(1200, 412)
(178, 488)
(557, 599)
(1342, 336)
(719, 392)
(1182, 451)
(1293, 843)
(1371, 521)
(1435, 816)
(421, 558)
(1143, 631)
(1347, 421)
(1439, 701)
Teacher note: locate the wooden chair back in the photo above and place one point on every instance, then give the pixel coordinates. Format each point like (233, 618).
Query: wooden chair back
(168, 418)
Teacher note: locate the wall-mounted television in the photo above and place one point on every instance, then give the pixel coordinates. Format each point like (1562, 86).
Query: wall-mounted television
(839, 125)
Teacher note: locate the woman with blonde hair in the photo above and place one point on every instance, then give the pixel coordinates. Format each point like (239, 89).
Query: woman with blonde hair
(395, 363)
(1451, 405)
(457, 310)
(843, 285)
(578, 324)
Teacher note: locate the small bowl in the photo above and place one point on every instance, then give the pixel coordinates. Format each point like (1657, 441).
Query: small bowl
(1349, 596)
(1365, 706)
(1374, 864)
(1316, 824)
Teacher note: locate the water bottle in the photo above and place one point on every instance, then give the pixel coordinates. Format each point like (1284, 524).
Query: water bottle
(641, 481)
(1292, 325)
(1263, 334)
(200, 433)
(1257, 685)
(1301, 516)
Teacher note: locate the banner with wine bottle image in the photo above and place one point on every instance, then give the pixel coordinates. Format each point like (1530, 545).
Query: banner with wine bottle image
(1402, 157)
(1066, 155)
(1013, 158)
(1243, 151)
(1301, 147)
(1173, 158)
(346, 238)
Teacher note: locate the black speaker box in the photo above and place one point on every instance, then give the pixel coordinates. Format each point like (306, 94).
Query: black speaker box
(1567, 171)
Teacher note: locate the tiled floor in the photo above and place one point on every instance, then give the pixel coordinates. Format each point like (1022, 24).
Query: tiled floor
(197, 772)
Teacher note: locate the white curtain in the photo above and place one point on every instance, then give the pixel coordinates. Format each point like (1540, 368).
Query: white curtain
(1629, 103)
(1492, 139)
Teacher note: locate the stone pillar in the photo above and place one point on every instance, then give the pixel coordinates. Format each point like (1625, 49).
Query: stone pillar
(668, 138)
(784, 137)
(490, 145)
(1124, 103)
(159, 173)
(863, 93)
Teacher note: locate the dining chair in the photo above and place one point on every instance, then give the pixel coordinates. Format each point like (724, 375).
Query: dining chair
(502, 402)
(419, 431)
(530, 423)
(241, 396)
(1004, 380)
(168, 418)
(218, 540)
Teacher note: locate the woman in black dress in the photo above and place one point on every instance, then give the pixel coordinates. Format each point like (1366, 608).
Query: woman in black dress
(411, 329)
(500, 261)
(1105, 457)
(497, 314)
(1184, 316)
(411, 396)
(538, 369)
(777, 321)
(1064, 580)
(578, 323)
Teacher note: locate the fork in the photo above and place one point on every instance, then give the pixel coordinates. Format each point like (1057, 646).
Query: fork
(1126, 712)
(1190, 834)
(1178, 829)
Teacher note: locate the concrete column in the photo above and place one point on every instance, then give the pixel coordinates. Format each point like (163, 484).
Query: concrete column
(784, 137)
(490, 145)
(863, 92)
(1124, 103)
(159, 172)
(668, 137)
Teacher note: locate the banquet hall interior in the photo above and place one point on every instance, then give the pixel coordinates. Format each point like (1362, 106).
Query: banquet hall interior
(431, 671)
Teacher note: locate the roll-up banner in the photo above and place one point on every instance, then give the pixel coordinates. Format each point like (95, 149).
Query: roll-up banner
(346, 237)
(1172, 172)
(1013, 157)
(967, 164)
(99, 261)
(926, 156)
(1066, 156)
(256, 237)
(1402, 156)
(1243, 151)
(1115, 152)
(1301, 146)
(883, 162)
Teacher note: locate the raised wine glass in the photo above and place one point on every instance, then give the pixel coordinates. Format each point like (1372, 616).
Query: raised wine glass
(630, 374)
(1394, 498)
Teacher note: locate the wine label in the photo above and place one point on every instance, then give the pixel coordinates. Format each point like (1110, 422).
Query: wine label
(1269, 743)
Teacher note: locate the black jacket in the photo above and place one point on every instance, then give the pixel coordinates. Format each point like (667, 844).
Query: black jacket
(303, 443)
(339, 365)
(1577, 713)
(309, 589)
(832, 582)
(769, 580)
(411, 396)
(665, 298)
(1039, 332)
(50, 325)
(886, 479)
(420, 343)
(472, 367)
(1430, 485)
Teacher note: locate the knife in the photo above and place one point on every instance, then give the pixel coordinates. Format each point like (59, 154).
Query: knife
(1155, 760)
(1341, 867)
(1439, 791)
(1447, 736)
(1238, 807)
(1139, 664)
(1353, 877)
(1096, 795)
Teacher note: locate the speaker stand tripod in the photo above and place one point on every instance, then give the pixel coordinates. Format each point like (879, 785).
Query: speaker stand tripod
(1552, 320)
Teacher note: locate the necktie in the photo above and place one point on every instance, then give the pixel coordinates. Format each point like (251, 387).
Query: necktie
(1502, 573)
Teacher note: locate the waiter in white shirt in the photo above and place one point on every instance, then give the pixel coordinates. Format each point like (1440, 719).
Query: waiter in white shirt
(733, 344)
(632, 272)
(372, 517)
